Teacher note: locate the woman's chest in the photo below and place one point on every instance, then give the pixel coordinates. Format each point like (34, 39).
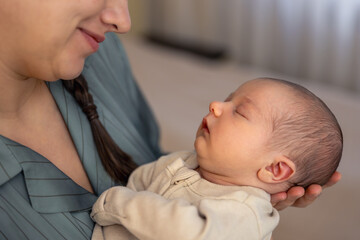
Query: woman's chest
(47, 137)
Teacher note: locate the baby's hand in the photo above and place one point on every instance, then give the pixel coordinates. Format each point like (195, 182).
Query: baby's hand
(298, 197)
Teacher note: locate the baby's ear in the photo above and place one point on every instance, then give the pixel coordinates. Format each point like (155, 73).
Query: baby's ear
(280, 170)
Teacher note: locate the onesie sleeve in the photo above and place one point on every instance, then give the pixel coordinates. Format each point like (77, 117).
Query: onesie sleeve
(149, 216)
(143, 176)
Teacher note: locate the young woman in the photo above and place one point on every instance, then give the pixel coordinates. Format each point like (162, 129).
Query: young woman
(64, 142)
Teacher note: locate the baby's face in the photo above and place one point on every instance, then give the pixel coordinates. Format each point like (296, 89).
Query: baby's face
(231, 141)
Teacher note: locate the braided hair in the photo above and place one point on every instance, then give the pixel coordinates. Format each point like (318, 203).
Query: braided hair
(116, 162)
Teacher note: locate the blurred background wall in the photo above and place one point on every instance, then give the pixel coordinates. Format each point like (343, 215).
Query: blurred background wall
(314, 39)
(315, 43)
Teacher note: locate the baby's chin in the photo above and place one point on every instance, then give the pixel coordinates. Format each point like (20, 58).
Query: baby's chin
(196, 144)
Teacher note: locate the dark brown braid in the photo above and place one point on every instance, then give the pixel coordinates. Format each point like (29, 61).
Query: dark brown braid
(117, 163)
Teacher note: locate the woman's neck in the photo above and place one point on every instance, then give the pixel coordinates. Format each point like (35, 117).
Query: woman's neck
(16, 92)
(25, 108)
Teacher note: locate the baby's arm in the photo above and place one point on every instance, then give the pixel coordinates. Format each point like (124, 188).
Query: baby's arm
(141, 177)
(150, 216)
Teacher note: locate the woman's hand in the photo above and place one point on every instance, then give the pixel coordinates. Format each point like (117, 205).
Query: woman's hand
(298, 197)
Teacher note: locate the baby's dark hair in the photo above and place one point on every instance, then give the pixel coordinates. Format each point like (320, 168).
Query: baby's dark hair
(309, 134)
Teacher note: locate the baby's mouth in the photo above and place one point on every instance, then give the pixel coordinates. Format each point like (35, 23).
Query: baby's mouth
(205, 126)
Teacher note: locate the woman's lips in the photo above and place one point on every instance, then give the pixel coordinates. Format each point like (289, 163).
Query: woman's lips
(92, 38)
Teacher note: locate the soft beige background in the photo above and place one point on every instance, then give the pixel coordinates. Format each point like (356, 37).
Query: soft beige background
(179, 88)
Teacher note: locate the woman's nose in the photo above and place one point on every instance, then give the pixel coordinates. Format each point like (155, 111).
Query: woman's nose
(116, 16)
(216, 108)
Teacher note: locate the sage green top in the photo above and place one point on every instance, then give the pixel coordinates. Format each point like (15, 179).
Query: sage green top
(37, 200)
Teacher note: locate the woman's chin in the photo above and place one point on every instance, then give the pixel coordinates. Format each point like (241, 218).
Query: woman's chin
(70, 76)
(70, 72)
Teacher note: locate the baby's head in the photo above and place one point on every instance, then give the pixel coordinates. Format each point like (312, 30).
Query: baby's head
(271, 134)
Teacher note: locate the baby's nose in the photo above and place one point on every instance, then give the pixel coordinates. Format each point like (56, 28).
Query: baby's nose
(216, 108)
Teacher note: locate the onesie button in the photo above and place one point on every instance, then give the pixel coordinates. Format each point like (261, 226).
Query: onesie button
(177, 182)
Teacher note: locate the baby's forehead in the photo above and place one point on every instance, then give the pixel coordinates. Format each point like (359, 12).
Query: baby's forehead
(260, 86)
(269, 96)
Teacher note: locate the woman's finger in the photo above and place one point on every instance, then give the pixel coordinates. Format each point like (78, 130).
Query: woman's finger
(336, 177)
(278, 197)
(292, 195)
(311, 194)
